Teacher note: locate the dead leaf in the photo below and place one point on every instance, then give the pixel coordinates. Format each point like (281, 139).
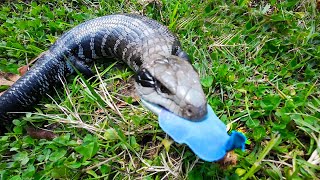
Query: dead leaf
(12, 77)
(230, 159)
(121, 104)
(9, 76)
(127, 88)
(23, 69)
(8, 79)
(99, 111)
(40, 133)
(4, 82)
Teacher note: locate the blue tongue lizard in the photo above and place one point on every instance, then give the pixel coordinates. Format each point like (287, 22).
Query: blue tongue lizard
(207, 138)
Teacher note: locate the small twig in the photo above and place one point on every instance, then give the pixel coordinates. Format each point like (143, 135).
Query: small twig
(315, 157)
(284, 96)
(277, 162)
(100, 163)
(131, 159)
(107, 95)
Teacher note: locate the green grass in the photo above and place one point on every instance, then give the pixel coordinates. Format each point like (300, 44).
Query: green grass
(259, 67)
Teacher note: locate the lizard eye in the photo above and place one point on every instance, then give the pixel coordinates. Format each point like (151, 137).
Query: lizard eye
(145, 79)
(160, 87)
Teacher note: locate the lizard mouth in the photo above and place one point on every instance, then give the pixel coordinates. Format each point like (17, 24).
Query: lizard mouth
(156, 108)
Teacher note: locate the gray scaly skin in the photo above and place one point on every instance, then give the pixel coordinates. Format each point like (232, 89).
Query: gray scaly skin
(165, 77)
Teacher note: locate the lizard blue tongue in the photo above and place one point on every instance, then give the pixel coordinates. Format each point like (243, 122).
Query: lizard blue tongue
(207, 138)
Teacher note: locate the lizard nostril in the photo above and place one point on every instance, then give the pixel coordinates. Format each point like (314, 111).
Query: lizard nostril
(189, 111)
(194, 113)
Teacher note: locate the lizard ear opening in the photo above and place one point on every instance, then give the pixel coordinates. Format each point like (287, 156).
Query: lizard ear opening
(145, 79)
(183, 55)
(180, 53)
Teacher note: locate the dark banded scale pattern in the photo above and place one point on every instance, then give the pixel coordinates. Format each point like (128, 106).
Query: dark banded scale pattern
(132, 38)
(135, 39)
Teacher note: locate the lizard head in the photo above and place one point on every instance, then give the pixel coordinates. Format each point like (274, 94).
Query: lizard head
(171, 83)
